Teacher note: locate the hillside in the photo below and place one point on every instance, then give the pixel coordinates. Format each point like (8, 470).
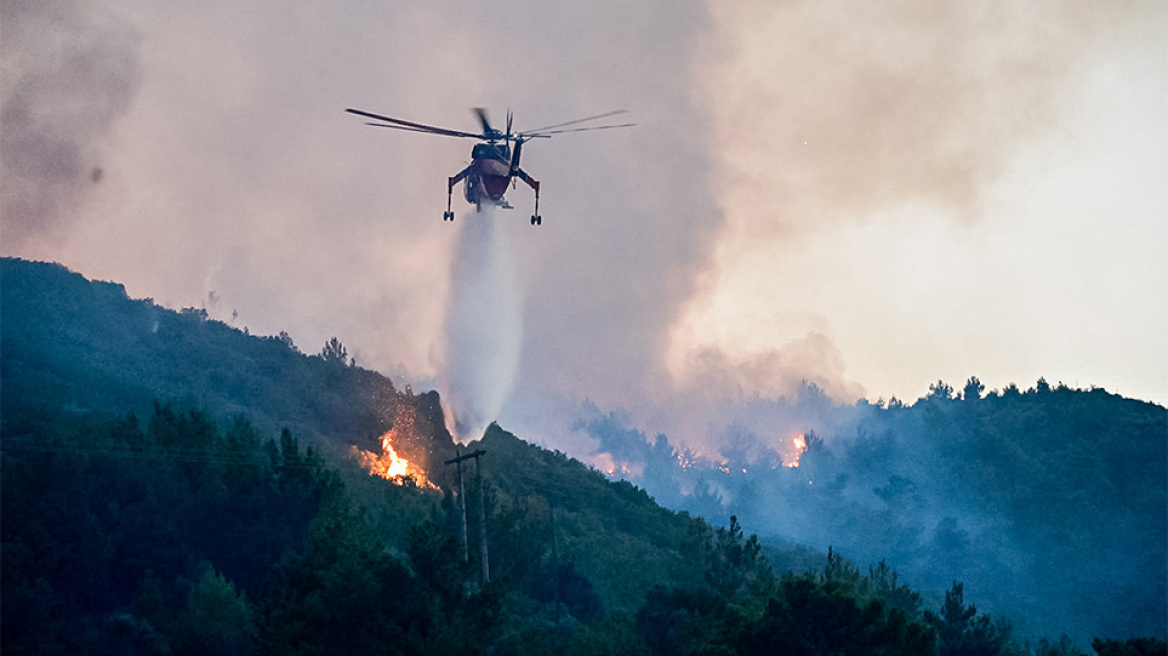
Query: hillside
(172, 484)
(1049, 503)
(178, 443)
(68, 338)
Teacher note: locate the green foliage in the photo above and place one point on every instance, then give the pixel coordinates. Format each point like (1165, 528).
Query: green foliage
(883, 583)
(810, 616)
(334, 352)
(962, 632)
(733, 564)
(601, 526)
(1130, 647)
(612, 635)
(102, 517)
(835, 611)
(217, 618)
(1050, 500)
(682, 621)
(341, 592)
(1062, 647)
(225, 523)
(89, 345)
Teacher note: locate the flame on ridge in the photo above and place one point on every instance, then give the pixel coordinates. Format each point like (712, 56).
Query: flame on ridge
(388, 464)
(800, 443)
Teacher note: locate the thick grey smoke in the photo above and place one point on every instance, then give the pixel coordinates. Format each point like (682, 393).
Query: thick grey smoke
(878, 106)
(813, 117)
(483, 326)
(236, 172)
(69, 72)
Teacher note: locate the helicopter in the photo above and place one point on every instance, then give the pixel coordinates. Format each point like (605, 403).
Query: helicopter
(494, 163)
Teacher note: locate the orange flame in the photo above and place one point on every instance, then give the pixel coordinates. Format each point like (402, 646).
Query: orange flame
(388, 464)
(800, 442)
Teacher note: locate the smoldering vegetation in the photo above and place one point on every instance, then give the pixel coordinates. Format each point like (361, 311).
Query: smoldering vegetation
(1048, 503)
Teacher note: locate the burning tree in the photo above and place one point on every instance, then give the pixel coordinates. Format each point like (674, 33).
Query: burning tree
(389, 464)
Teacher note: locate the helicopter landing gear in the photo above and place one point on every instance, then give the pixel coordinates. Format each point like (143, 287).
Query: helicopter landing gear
(536, 219)
(448, 215)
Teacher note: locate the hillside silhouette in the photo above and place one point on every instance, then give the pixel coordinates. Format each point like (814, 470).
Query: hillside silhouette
(171, 484)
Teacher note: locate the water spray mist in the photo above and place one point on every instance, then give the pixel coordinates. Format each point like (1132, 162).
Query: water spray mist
(483, 325)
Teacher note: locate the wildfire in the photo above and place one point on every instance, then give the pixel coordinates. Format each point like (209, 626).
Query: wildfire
(391, 466)
(388, 464)
(800, 443)
(606, 463)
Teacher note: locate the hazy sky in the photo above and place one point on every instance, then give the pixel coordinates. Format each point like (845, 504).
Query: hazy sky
(870, 196)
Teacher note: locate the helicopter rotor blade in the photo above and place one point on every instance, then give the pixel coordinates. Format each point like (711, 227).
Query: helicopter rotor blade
(528, 135)
(417, 127)
(399, 127)
(579, 120)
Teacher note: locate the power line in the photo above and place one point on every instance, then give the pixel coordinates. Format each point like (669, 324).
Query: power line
(14, 446)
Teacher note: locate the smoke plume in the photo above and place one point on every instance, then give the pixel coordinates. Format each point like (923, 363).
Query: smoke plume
(69, 72)
(750, 234)
(483, 326)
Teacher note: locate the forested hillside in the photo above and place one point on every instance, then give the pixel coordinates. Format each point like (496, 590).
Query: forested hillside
(86, 342)
(1050, 503)
(172, 485)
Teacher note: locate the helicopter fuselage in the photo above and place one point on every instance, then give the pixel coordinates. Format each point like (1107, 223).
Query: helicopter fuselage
(489, 175)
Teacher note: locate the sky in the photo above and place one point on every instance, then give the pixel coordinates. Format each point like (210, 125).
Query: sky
(868, 197)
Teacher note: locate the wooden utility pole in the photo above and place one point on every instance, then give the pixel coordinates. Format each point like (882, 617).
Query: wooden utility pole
(462, 503)
(457, 460)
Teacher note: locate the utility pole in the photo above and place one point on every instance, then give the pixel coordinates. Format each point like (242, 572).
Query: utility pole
(457, 460)
(462, 503)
